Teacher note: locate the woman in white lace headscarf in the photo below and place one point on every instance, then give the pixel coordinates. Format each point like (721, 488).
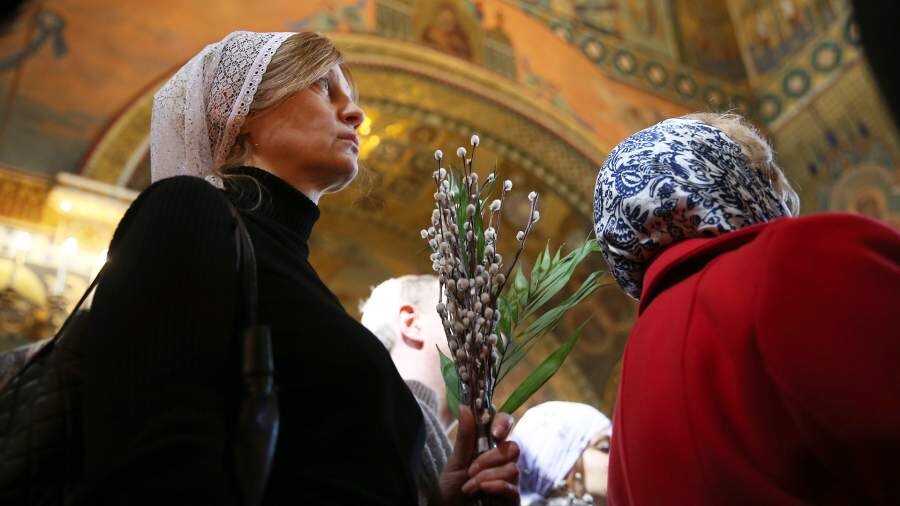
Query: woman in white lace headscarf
(269, 119)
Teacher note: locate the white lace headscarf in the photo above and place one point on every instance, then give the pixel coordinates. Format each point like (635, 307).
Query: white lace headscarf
(199, 112)
(551, 436)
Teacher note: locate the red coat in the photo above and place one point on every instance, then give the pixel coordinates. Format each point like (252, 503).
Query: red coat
(764, 369)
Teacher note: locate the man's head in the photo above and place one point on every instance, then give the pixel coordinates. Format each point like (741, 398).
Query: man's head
(401, 313)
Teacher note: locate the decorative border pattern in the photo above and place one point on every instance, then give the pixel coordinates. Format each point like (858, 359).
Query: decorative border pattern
(819, 63)
(776, 95)
(537, 161)
(644, 70)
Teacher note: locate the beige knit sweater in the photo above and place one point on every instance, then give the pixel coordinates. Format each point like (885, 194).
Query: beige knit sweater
(437, 444)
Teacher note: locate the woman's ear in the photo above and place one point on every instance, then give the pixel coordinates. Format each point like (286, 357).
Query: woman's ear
(247, 130)
(410, 331)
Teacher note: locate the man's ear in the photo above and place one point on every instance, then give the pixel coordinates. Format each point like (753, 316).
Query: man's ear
(410, 333)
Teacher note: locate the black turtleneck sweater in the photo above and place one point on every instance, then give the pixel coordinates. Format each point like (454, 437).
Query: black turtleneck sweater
(161, 373)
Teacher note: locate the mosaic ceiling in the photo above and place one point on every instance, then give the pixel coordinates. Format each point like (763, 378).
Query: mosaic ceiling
(611, 65)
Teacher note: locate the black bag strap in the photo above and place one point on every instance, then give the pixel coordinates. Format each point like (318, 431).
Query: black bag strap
(246, 267)
(258, 417)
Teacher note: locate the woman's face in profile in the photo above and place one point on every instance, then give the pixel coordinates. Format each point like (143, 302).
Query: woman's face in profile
(309, 139)
(596, 465)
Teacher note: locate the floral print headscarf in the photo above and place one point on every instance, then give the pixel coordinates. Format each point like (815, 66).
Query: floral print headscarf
(679, 179)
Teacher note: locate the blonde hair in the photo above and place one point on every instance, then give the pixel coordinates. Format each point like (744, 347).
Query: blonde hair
(380, 310)
(301, 60)
(758, 152)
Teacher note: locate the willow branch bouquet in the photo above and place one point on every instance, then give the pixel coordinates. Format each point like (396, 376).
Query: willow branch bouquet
(490, 323)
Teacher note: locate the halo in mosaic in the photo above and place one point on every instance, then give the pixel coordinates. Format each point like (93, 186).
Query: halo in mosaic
(796, 83)
(827, 57)
(656, 74)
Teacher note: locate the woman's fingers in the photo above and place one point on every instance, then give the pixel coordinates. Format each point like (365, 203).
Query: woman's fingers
(494, 472)
(507, 451)
(501, 426)
(465, 440)
(508, 473)
(506, 490)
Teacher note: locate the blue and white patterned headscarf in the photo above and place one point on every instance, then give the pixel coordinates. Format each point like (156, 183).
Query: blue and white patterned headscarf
(679, 179)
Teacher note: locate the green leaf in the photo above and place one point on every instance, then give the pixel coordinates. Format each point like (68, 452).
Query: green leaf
(504, 325)
(514, 355)
(541, 374)
(549, 319)
(515, 299)
(523, 300)
(525, 340)
(516, 293)
(547, 270)
(541, 263)
(558, 276)
(451, 381)
(520, 283)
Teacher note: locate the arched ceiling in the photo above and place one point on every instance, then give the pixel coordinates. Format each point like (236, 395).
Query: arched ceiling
(613, 66)
(71, 79)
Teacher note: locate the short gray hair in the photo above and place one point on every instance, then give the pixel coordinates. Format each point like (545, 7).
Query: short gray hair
(380, 310)
(758, 152)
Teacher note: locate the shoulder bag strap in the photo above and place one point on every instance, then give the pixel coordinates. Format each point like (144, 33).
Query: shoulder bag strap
(258, 417)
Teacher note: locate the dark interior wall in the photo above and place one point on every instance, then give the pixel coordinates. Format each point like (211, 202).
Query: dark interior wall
(878, 23)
